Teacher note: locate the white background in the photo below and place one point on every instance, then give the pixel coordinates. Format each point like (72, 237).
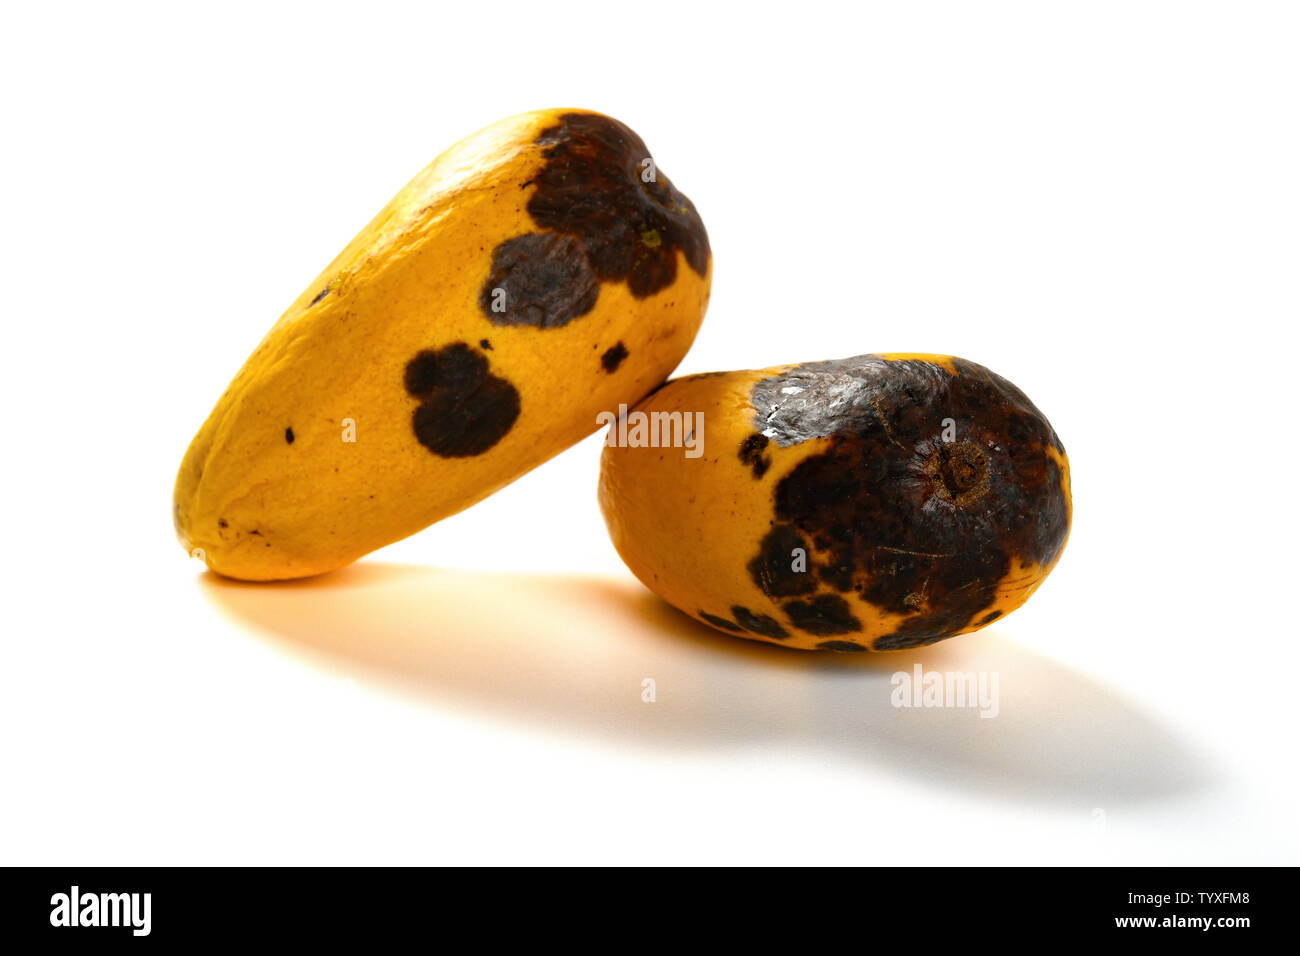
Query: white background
(1101, 201)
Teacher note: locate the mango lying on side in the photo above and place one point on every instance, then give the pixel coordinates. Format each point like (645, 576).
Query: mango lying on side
(531, 276)
(880, 502)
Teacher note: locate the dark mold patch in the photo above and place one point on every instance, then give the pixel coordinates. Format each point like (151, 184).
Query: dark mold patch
(288, 435)
(772, 568)
(539, 279)
(844, 396)
(759, 623)
(613, 357)
(911, 524)
(990, 617)
(600, 221)
(464, 409)
(823, 614)
(593, 188)
(841, 646)
(751, 454)
(721, 622)
(912, 635)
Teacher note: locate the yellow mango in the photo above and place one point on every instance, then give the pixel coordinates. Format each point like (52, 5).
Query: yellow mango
(535, 274)
(876, 503)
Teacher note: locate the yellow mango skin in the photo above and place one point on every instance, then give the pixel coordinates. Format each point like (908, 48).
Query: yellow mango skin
(339, 362)
(714, 535)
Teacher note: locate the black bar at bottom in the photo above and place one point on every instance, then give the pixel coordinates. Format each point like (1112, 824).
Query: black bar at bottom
(655, 906)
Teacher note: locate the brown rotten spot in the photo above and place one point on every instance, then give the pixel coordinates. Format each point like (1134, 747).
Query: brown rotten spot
(464, 410)
(909, 522)
(924, 495)
(538, 279)
(751, 453)
(607, 216)
(613, 357)
(594, 187)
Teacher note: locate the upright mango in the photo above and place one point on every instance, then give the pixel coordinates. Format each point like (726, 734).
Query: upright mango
(535, 274)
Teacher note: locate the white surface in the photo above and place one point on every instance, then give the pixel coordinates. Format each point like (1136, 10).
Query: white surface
(1100, 201)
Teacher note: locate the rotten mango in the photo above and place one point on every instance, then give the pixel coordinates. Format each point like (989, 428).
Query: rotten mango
(877, 503)
(533, 275)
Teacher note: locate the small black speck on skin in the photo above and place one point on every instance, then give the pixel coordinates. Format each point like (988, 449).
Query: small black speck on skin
(990, 617)
(221, 523)
(320, 295)
(613, 358)
(485, 345)
(288, 435)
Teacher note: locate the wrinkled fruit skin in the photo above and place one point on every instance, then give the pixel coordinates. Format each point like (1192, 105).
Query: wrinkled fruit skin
(529, 278)
(928, 496)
